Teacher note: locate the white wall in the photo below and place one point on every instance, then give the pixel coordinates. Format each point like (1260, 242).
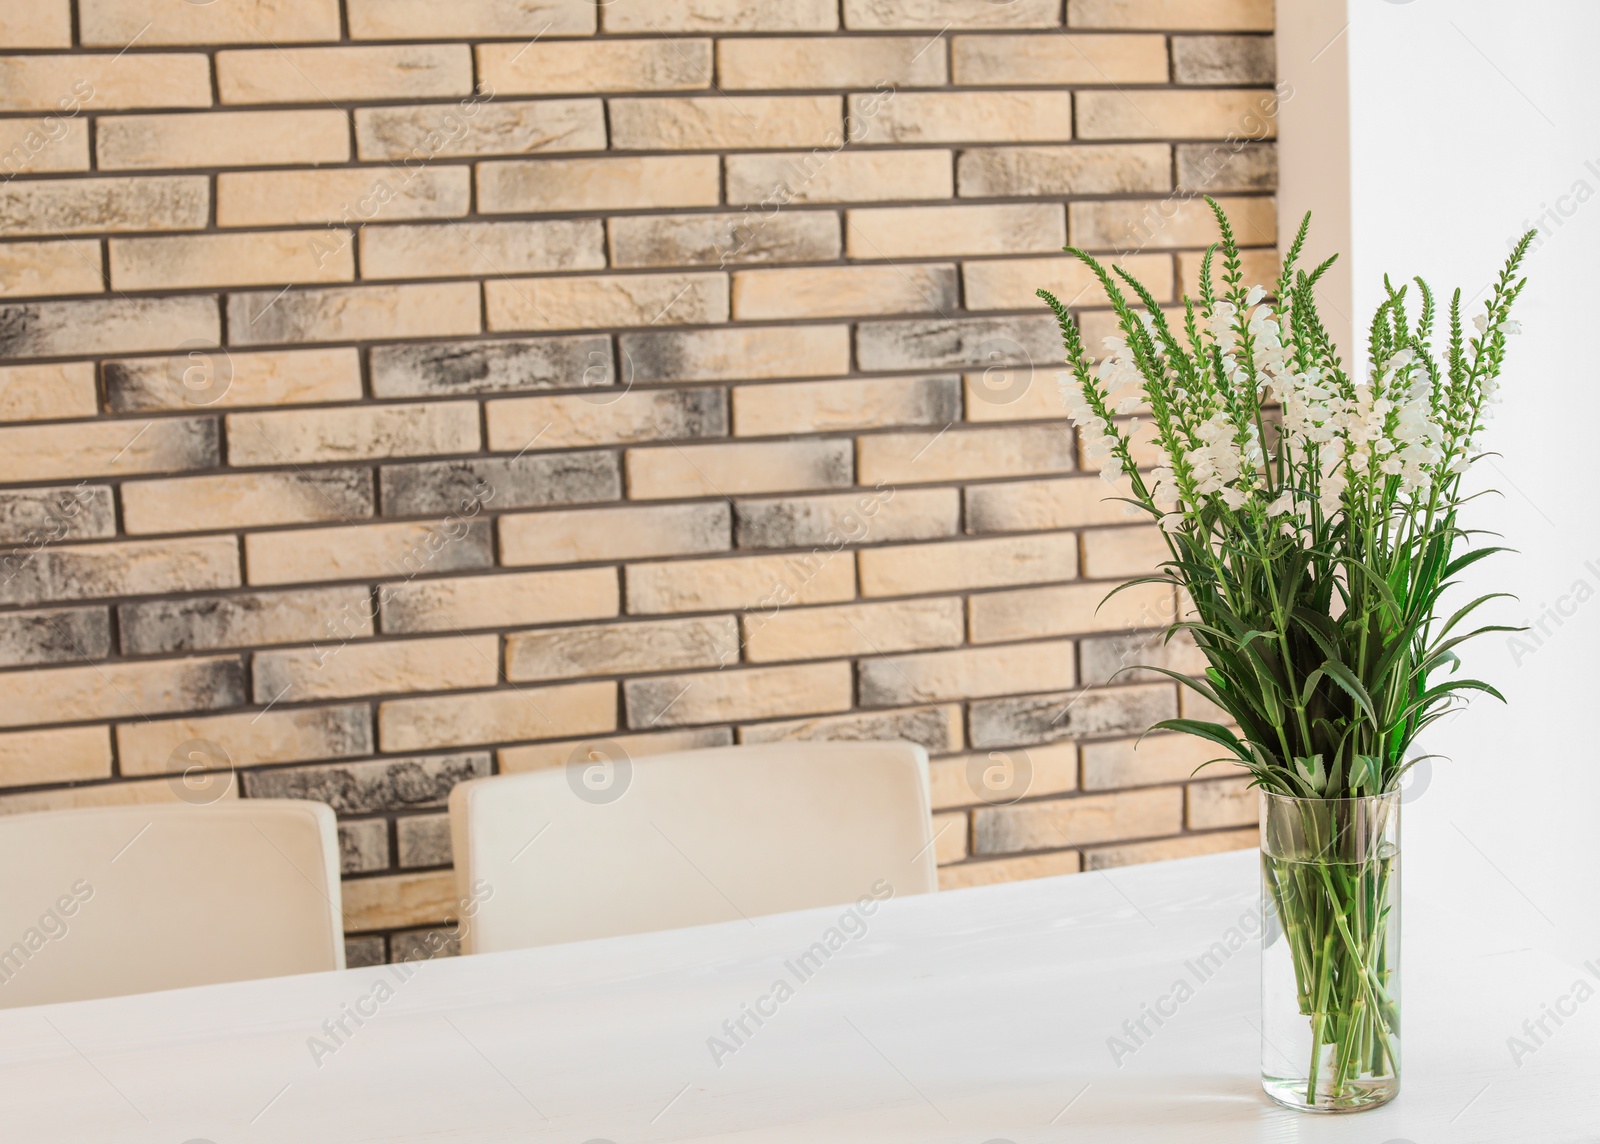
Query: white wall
(1469, 120)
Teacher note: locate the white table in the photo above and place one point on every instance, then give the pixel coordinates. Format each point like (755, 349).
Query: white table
(968, 1017)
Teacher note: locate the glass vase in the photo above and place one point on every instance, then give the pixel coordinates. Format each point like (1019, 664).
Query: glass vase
(1330, 953)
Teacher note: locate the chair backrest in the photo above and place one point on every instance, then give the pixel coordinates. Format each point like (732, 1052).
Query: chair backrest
(130, 899)
(607, 846)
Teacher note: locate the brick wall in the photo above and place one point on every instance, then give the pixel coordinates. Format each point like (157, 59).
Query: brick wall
(396, 392)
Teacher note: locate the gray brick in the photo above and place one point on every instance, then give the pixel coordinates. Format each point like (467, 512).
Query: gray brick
(1081, 169)
(803, 522)
(627, 648)
(492, 128)
(424, 840)
(107, 325)
(929, 726)
(200, 623)
(1213, 167)
(1223, 59)
(725, 239)
(521, 482)
(361, 952)
(449, 368)
(371, 787)
(937, 343)
(424, 945)
(32, 516)
(1131, 653)
(79, 206)
(59, 635)
(1070, 714)
(364, 846)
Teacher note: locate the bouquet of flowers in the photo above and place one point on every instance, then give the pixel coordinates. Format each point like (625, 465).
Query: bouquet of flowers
(1311, 518)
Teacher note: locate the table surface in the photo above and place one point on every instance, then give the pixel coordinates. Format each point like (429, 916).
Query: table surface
(972, 1016)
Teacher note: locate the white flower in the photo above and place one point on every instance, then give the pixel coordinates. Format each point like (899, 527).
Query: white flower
(1283, 503)
(1256, 294)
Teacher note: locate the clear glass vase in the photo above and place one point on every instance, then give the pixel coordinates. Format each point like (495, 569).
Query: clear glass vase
(1330, 952)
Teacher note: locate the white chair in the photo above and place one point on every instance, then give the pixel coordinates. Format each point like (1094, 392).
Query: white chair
(129, 899)
(608, 845)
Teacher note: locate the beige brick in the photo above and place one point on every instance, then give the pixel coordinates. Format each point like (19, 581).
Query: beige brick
(41, 24)
(245, 500)
(1153, 759)
(1003, 777)
(323, 75)
(920, 232)
(499, 601)
(1189, 113)
(767, 583)
(40, 269)
(721, 239)
(955, 566)
(1009, 391)
(1111, 553)
(355, 313)
(1068, 502)
(631, 533)
(118, 23)
(218, 378)
(510, 127)
(41, 146)
(249, 739)
(736, 354)
(622, 649)
(860, 517)
(120, 690)
(1260, 267)
(454, 250)
(106, 326)
(1070, 609)
(46, 392)
(1009, 284)
(356, 195)
(940, 15)
(725, 470)
(1079, 169)
(936, 728)
(949, 837)
(426, 19)
(590, 185)
(860, 403)
(109, 794)
(662, 16)
(559, 67)
(842, 291)
(1213, 15)
(67, 754)
(1078, 821)
(376, 668)
(607, 301)
(541, 756)
(962, 117)
(637, 415)
(965, 875)
(222, 139)
(1163, 850)
(1225, 802)
(830, 175)
(190, 261)
(1059, 59)
(126, 568)
(853, 629)
(501, 716)
(1129, 224)
(964, 454)
(107, 448)
(104, 83)
(1191, 705)
(310, 436)
(361, 552)
(725, 122)
(395, 900)
(966, 673)
(799, 62)
(723, 696)
(57, 206)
